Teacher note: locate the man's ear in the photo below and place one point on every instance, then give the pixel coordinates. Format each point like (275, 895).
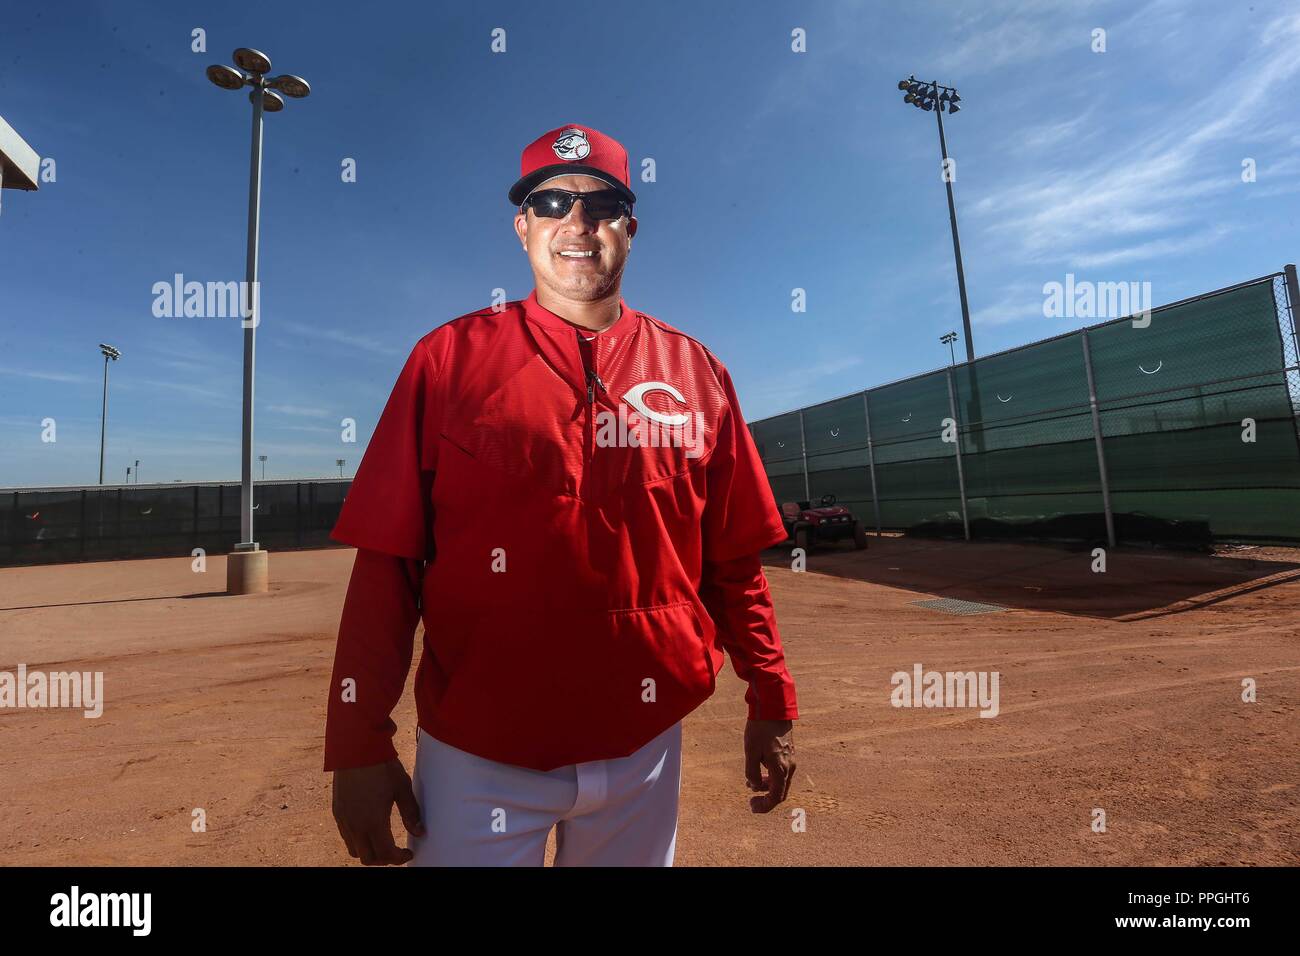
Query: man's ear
(631, 226)
(521, 229)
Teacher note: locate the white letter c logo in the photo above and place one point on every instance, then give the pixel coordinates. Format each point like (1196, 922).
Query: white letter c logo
(635, 396)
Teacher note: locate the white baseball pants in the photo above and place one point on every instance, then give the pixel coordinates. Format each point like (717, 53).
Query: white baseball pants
(478, 812)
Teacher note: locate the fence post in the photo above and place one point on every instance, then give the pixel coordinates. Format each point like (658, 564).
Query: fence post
(297, 514)
(871, 460)
(1096, 437)
(961, 478)
(1292, 306)
(1293, 300)
(803, 454)
(81, 527)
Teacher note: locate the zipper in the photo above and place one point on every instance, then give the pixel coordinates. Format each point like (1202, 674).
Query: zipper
(593, 380)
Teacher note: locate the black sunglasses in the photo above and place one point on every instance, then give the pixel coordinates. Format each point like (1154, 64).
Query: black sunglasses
(556, 203)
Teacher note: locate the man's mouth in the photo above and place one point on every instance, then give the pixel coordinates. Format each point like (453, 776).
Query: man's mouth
(578, 253)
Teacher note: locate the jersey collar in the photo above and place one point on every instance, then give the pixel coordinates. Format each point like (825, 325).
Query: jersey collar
(535, 312)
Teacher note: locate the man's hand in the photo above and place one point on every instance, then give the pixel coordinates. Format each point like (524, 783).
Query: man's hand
(363, 805)
(770, 744)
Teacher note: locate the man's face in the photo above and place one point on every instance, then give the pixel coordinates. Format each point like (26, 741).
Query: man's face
(543, 239)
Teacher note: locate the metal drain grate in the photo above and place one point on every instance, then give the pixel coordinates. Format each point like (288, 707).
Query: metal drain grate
(953, 606)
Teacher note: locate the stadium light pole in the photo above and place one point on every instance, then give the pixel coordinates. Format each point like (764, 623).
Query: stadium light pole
(933, 97)
(243, 572)
(948, 338)
(340, 462)
(114, 354)
(262, 459)
(137, 471)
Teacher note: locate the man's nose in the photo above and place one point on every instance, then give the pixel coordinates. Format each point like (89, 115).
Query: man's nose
(578, 217)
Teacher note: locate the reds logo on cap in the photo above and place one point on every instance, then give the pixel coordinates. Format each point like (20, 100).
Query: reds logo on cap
(573, 149)
(572, 145)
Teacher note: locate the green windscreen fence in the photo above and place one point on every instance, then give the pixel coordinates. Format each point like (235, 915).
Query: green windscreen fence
(106, 522)
(1194, 428)
(916, 472)
(781, 442)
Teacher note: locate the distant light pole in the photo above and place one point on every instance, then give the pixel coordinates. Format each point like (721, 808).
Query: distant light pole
(948, 338)
(137, 471)
(252, 69)
(262, 459)
(109, 353)
(933, 97)
(340, 462)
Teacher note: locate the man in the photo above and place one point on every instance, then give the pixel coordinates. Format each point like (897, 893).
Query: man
(565, 490)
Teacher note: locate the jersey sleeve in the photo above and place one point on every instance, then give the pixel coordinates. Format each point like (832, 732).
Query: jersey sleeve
(737, 597)
(373, 653)
(740, 514)
(389, 506)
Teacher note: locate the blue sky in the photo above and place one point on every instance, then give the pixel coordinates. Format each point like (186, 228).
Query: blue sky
(776, 170)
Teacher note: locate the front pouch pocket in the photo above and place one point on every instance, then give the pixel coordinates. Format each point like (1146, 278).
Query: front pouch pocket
(543, 687)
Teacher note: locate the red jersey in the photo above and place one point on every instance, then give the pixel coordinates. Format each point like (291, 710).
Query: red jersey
(569, 515)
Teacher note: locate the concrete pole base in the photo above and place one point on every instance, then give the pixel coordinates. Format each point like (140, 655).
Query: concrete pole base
(247, 572)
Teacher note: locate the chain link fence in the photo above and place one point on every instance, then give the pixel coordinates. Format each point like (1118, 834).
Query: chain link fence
(1178, 427)
(106, 522)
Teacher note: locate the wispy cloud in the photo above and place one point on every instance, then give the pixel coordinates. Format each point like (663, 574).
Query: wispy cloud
(310, 429)
(1064, 134)
(1173, 245)
(816, 79)
(1016, 302)
(1159, 181)
(772, 398)
(997, 34)
(301, 411)
(350, 340)
(1006, 34)
(230, 397)
(46, 376)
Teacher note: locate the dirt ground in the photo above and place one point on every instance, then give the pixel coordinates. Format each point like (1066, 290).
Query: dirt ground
(1120, 691)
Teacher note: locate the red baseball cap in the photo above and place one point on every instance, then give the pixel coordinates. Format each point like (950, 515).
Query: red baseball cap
(572, 150)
